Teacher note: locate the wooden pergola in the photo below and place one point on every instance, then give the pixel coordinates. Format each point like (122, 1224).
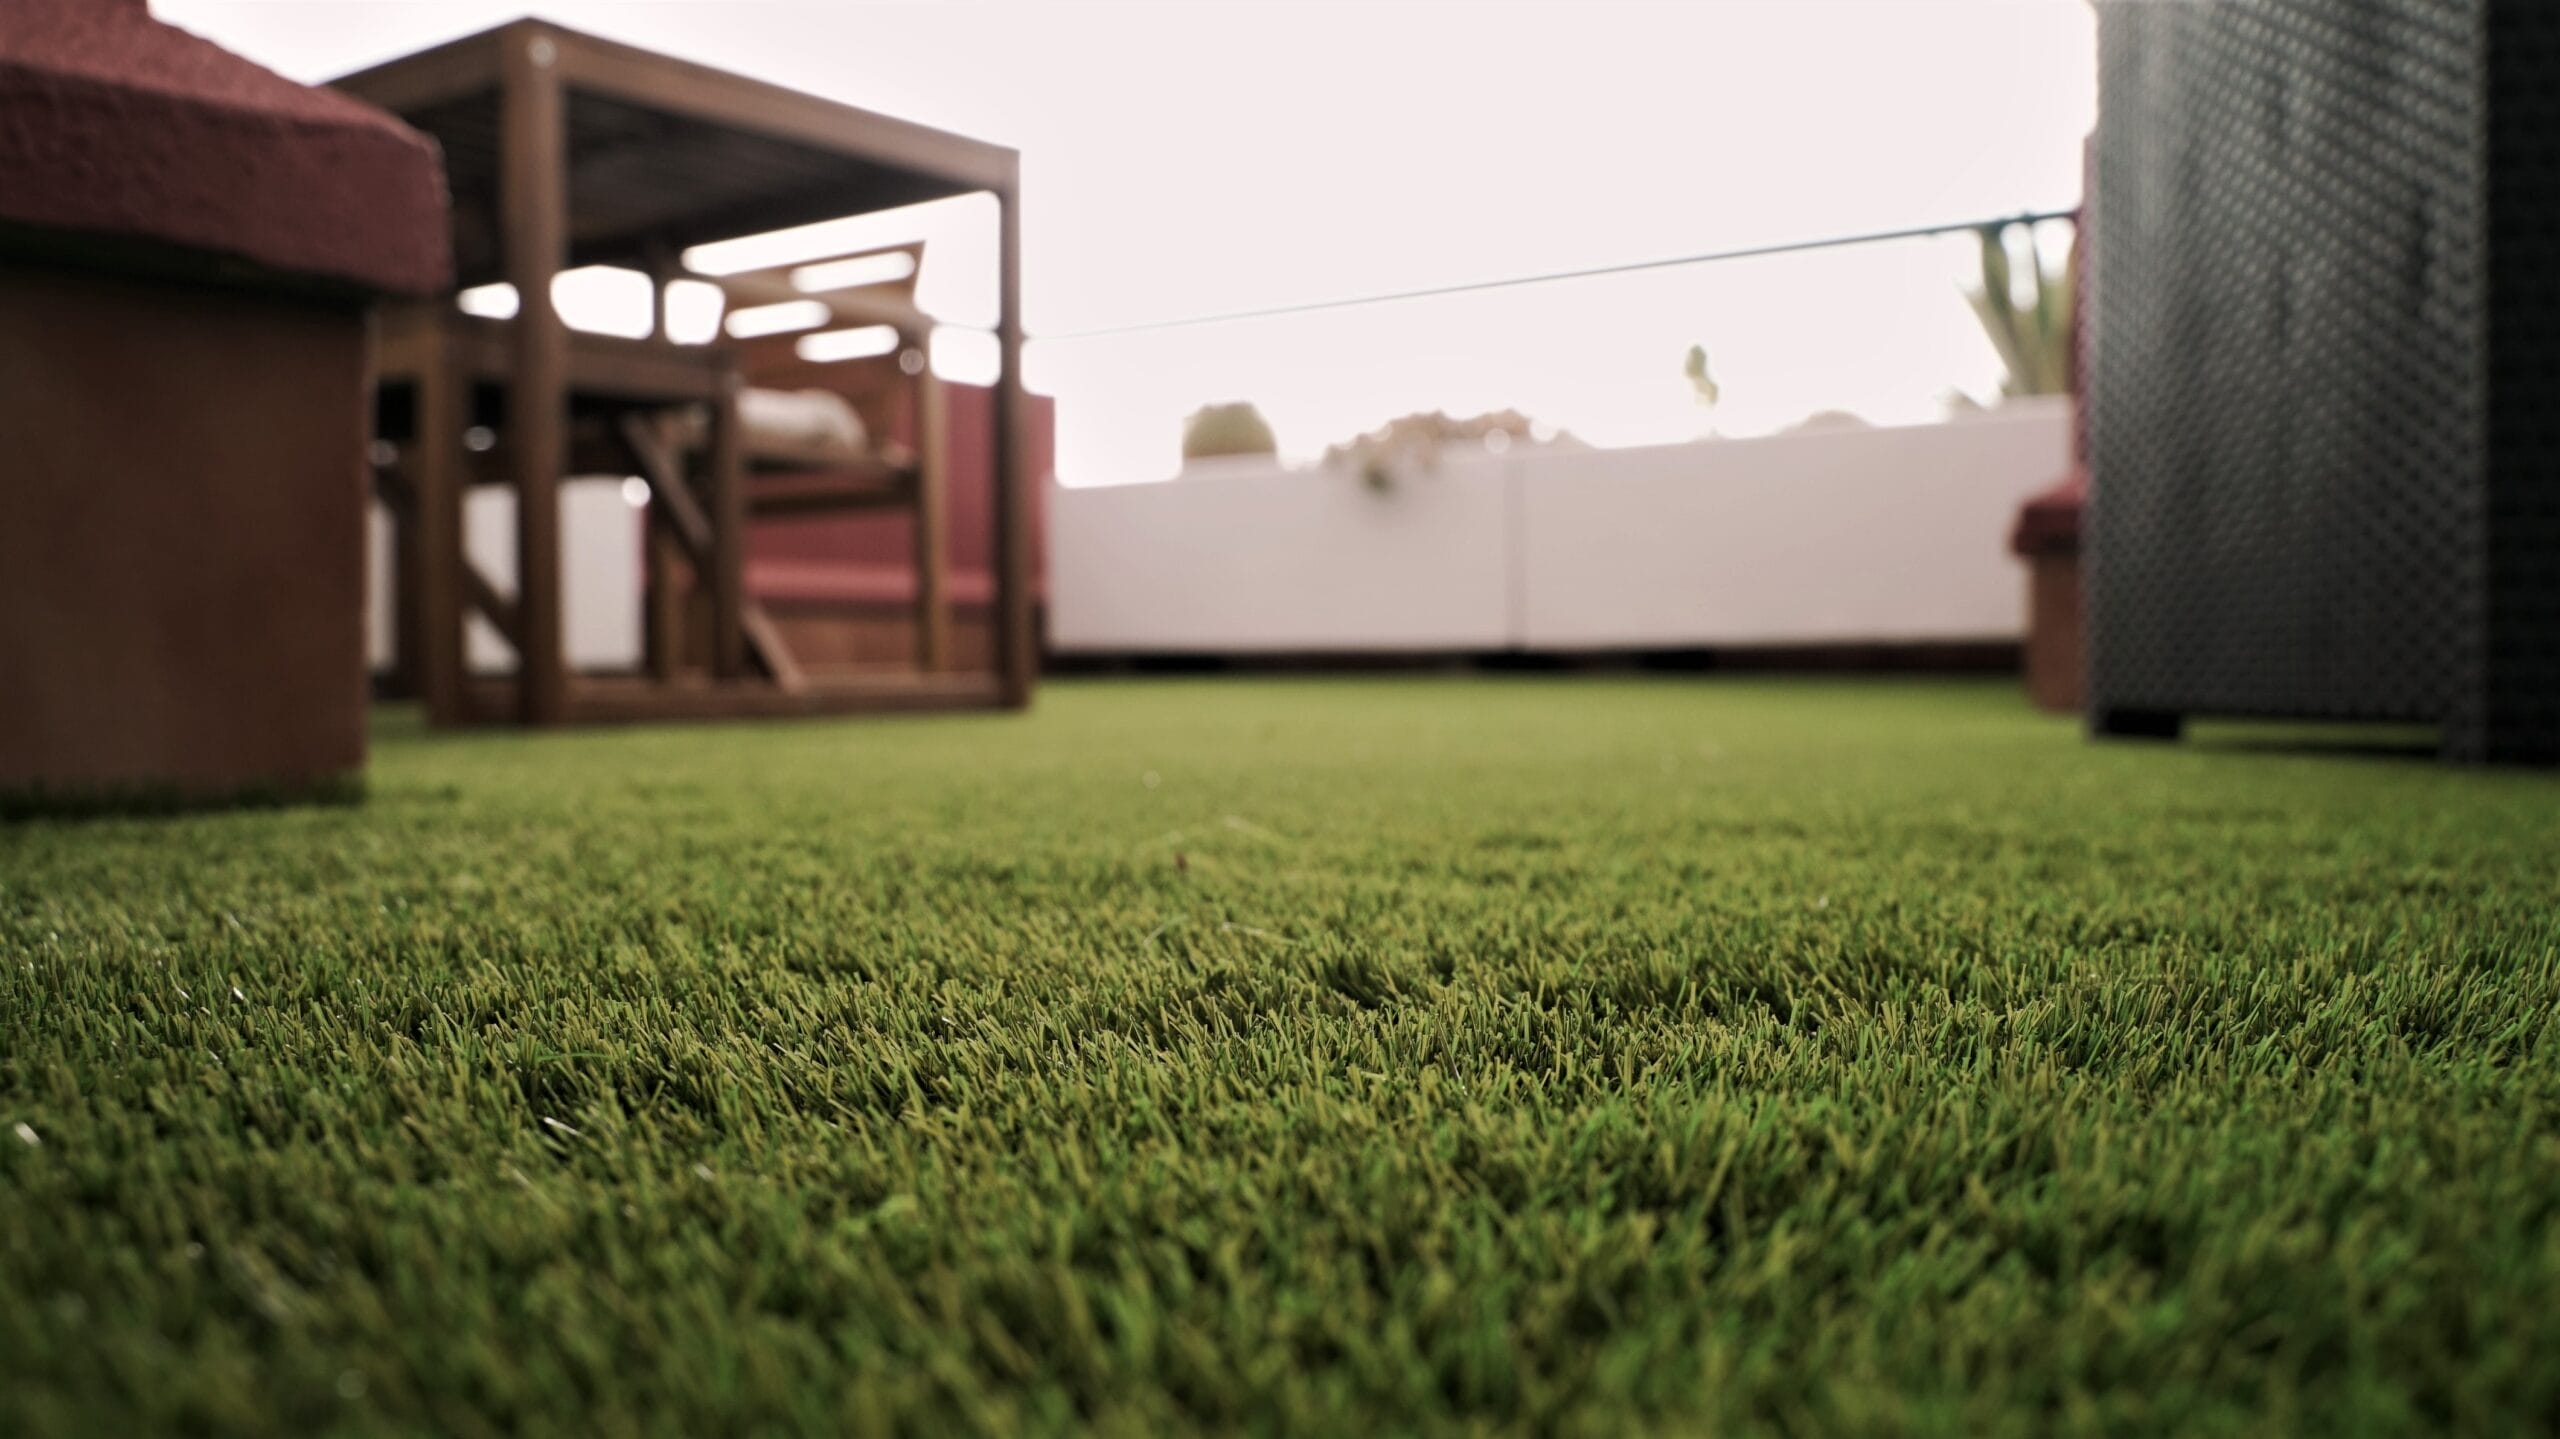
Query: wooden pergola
(564, 150)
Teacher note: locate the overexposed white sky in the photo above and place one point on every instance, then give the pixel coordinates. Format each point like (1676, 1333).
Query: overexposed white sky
(1188, 159)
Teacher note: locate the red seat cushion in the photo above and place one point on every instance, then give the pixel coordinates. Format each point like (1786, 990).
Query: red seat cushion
(866, 557)
(2049, 522)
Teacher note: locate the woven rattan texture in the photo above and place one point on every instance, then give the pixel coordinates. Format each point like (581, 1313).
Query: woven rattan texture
(2289, 368)
(2514, 713)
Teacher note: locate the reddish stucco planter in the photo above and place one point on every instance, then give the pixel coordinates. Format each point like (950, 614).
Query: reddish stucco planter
(188, 245)
(2047, 537)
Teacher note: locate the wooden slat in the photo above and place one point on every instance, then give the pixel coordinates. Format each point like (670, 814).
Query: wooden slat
(681, 520)
(663, 269)
(615, 366)
(804, 492)
(643, 369)
(409, 338)
(435, 474)
(670, 173)
(493, 606)
(605, 701)
(491, 700)
(670, 499)
(534, 187)
(664, 597)
(391, 486)
(850, 307)
(772, 652)
(884, 190)
(399, 499)
(724, 155)
(430, 77)
(681, 87)
(679, 535)
(932, 547)
(1017, 653)
(662, 593)
(725, 498)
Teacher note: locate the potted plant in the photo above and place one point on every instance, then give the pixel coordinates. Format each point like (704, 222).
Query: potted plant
(1410, 443)
(2038, 342)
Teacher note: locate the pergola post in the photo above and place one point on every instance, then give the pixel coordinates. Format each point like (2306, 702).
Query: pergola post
(534, 184)
(933, 482)
(662, 629)
(1015, 643)
(434, 523)
(724, 464)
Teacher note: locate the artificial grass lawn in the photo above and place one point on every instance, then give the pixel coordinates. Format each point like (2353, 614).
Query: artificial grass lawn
(1355, 1057)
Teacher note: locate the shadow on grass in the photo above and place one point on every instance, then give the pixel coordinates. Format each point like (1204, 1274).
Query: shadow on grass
(2403, 749)
(27, 806)
(2348, 740)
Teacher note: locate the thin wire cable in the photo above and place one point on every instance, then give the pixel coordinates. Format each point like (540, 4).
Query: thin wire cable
(2030, 217)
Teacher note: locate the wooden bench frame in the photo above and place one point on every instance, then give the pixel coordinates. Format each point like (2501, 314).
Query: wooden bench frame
(568, 396)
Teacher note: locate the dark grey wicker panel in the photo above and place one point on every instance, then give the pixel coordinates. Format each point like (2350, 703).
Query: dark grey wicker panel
(2514, 712)
(2288, 357)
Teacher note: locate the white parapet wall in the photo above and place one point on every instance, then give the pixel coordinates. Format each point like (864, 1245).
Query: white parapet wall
(600, 545)
(1243, 556)
(1894, 535)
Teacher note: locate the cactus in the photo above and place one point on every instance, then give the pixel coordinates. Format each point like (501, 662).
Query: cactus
(1230, 429)
(2034, 343)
